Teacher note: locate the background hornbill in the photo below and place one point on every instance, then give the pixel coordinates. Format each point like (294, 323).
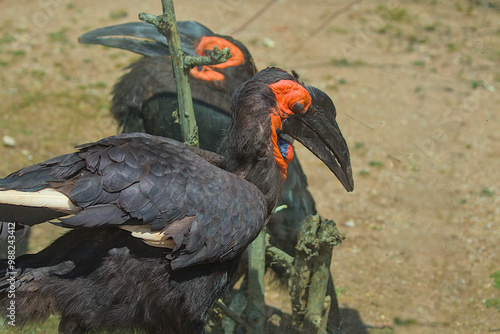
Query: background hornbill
(150, 80)
(145, 98)
(195, 210)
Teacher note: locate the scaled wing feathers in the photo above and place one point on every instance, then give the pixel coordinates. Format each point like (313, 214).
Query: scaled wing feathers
(179, 199)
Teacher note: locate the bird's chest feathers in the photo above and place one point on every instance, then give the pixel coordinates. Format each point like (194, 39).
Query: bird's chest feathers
(282, 149)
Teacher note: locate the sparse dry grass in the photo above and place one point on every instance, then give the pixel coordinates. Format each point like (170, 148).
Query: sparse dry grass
(416, 88)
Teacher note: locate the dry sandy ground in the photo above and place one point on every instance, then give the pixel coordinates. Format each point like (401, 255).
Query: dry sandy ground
(416, 87)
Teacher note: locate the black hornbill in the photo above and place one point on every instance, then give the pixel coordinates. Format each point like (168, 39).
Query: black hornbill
(151, 78)
(145, 98)
(147, 206)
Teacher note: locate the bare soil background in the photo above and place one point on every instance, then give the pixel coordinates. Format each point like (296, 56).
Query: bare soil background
(416, 87)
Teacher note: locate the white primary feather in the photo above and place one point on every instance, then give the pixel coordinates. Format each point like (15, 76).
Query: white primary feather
(52, 199)
(155, 239)
(46, 198)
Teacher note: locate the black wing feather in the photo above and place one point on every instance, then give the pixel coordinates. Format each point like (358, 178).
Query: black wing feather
(142, 179)
(95, 216)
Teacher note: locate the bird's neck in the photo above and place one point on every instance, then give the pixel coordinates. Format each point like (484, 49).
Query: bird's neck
(254, 154)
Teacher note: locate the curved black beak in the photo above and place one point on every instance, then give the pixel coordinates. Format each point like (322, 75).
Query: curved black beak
(318, 130)
(143, 38)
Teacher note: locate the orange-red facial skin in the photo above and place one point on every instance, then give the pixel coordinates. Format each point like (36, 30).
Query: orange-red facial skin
(288, 93)
(207, 73)
(276, 123)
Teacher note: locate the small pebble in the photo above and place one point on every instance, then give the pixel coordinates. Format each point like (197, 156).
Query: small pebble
(9, 141)
(269, 43)
(349, 223)
(489, 88)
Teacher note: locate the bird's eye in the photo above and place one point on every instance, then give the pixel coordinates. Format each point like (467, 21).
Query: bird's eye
(297, 108)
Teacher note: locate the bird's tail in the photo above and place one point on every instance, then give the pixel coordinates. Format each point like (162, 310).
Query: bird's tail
(21, 286)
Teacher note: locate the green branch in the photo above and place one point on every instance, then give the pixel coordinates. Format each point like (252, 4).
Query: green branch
(308, 273)
(216, 57)
(167, 26)
(256, 306)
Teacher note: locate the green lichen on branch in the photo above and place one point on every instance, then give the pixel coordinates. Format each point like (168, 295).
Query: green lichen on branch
(316, 233)
(162, 22)
(164, 25)
(216, 57)
(316, 240)
(309, 272)
(280, 258)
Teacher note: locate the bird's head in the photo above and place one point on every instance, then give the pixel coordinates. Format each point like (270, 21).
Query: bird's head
(213, 84)
(196, 39)
(286, 106)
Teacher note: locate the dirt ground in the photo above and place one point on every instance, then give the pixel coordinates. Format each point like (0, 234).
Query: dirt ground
(416, 87)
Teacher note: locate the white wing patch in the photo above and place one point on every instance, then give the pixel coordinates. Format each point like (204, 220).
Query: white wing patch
(52, 199)
(155, 239)
(45, 198)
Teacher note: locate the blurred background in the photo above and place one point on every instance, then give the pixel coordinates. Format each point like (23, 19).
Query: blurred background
(416, 88)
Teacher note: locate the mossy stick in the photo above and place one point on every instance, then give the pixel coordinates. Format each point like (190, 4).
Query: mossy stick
(167, 26)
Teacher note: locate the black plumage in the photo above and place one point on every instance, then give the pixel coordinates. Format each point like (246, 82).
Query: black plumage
(99, 276)
(145, 98)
